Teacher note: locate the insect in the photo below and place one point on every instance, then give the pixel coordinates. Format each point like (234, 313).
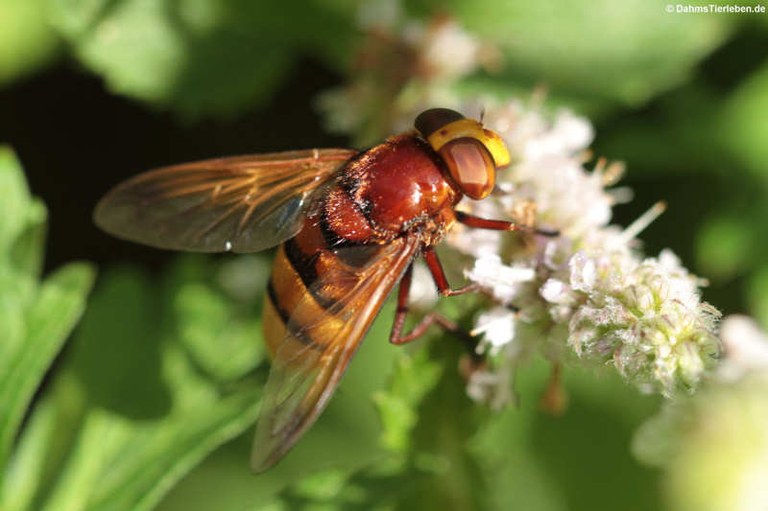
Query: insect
(349, 226)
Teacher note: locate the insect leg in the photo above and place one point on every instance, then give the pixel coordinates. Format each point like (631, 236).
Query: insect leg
(433, 318)
(397, 336)
(499, 225)
(441, 281)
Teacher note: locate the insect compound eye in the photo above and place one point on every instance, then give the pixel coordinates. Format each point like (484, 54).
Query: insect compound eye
(471, 152)
(470, 165)
(441, 126)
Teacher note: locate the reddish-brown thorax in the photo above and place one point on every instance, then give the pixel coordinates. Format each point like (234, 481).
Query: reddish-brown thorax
(396, 186)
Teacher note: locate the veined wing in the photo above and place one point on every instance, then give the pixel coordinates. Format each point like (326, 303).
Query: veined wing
(241, 203)
(321, 333)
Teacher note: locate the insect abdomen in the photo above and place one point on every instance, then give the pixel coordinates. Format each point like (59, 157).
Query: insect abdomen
(296, 301)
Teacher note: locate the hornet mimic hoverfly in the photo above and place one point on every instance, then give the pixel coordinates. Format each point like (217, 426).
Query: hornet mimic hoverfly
(349, 226)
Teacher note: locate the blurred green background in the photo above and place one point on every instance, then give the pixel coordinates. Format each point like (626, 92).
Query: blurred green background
(151, 401)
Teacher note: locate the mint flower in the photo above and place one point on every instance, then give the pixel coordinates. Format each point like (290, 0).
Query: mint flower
(645, 317)
(586, 296)
(588, 291)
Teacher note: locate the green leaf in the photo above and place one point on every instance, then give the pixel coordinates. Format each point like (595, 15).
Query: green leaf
(54, 312)
(16, 291)
(413, 376)
(119, 464)
(446, 475)
(155, 460)
(16, 200)
(757, 295)
(198, 57)
(24, 473)
(596, 432)
(27, 41)
(27, 254)
(679, 135)
(521, 457)
(536, 461)
(217, 313)
(117, 350)
(146, 415)
(50, 432)
(595, 49)
(35, 319)
(23, 225)
(221, 345)
(743, 128)
(128, 413)
(345, 440)
(323, 486)
(724, 247)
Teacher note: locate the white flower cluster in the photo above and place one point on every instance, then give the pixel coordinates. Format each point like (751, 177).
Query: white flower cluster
(643, 316)
(713, 446)
(586, 289)
(585, 292)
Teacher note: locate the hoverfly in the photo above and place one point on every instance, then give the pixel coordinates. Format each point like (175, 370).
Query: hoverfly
(349, 226)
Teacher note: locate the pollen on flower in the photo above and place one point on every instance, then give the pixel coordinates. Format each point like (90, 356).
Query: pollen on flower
(645, 317)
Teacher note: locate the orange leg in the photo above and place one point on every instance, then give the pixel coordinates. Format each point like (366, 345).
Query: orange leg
(433, 318)
(441, 281)
(443, 287)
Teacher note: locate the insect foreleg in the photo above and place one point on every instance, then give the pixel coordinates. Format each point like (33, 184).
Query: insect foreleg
(499, 225)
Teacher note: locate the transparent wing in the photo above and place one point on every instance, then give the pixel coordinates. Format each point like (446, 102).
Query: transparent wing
(313, 355)
(242, 203)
